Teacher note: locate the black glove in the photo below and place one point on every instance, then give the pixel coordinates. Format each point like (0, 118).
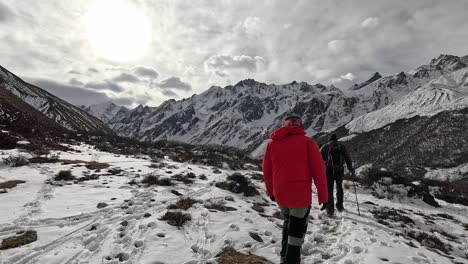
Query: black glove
(353, 172)
(272, 198)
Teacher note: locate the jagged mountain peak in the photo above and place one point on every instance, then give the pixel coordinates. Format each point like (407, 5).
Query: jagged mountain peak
(248, 82)
(449, 62)
(376, 76)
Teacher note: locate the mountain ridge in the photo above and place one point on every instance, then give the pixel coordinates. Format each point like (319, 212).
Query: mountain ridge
(67, 115)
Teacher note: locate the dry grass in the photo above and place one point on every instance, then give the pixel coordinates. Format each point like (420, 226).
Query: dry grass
(10, 184)
(39, 159)
(64, 175)
(231, 256)
(238, 183)
(177, 219)
(156, 180)
(19, 240)
(429, 241)
(218, 205)
(385, 213)
(93, 165)
(182, 178)
(16, 160)
(183, 204)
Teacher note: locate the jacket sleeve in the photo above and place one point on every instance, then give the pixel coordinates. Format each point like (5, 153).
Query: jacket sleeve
(349, 162)
(318, 172)
(267, 171)
(324, 152)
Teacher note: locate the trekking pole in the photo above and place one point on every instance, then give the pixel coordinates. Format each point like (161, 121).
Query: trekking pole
(355, 193)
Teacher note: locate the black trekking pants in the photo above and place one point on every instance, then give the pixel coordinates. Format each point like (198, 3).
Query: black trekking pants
(331, 180)
(294, 230)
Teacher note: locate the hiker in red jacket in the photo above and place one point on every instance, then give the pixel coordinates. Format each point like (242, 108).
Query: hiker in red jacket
(291, 162)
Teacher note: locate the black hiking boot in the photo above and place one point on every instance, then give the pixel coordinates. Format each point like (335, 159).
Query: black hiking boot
(339, 207)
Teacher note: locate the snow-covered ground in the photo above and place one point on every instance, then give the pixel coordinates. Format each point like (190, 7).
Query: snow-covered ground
(71, 229)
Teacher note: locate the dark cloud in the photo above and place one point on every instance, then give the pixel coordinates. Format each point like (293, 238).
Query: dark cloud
(93, 70)
(219, 63)
(146, 72)
(74, 72)
(73, 94)
(105, 85)
(169, 93)
(126, 77)
(5, 12)
(175, 83)
(74, 81)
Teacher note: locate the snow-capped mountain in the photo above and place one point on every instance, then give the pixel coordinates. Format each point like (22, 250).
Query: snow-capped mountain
(106, 111)
(16, 115)
(60, 111)
(243, 115)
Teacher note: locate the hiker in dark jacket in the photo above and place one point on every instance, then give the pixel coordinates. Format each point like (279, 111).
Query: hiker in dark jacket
(292, 162)
(335, 155)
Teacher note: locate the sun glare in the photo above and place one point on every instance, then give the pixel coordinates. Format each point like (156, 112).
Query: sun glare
(117, 29)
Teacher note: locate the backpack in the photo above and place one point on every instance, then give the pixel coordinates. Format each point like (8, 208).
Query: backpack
(335, 157)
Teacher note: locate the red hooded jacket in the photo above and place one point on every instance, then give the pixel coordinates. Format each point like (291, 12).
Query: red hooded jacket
(290, 163)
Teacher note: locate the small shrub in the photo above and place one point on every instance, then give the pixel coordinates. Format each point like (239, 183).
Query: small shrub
(114, 171)
(259, 207)
(132, 182)
(19, 240)
(238, 183)
(177, 219)
(391, 214)
(191, 175)
(39, 159)
(202, 177)
(429, 241)
(182, 178)
(10, 184)
(7, 141)
(155, 180)
(218, 205)
(231, 256)
(16, 161)
(64, 175)
(183, 204)
(93, 165)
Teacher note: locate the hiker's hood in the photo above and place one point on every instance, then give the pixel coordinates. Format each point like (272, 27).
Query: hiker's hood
(286, 131)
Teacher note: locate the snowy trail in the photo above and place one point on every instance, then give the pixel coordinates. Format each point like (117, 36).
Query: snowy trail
(128, 230)
(109, 222)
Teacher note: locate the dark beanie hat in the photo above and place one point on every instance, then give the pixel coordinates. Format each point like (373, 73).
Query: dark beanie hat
(292, 116)
(333, 137)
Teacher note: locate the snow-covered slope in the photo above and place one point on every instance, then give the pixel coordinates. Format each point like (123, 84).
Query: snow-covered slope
(448, 92)
(60, 111)
(245, 114)
(129, 229)
(105, 111)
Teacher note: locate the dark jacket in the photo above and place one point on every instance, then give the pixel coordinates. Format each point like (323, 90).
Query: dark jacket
(335, 155)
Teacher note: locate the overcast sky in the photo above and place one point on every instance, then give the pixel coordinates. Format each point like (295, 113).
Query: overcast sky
(144, 51)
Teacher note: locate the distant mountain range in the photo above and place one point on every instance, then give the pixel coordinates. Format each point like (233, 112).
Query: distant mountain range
(416, 119)
(23, 102)
(243, 115)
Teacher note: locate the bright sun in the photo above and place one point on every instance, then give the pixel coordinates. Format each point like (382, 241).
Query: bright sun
(117, 30)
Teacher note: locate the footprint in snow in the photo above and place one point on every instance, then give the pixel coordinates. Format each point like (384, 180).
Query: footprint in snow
(234, 227)
(357, 249)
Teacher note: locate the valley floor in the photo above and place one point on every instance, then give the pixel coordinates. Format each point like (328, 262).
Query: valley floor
(71, 229)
